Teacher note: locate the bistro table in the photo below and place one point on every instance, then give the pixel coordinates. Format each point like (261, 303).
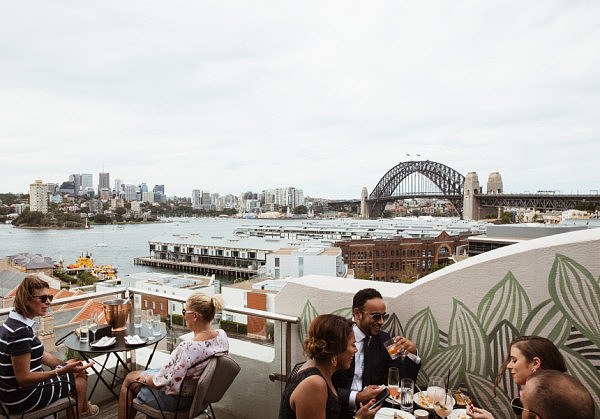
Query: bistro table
(120, 346)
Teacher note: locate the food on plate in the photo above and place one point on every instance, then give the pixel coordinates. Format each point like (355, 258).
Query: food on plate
(461, 399)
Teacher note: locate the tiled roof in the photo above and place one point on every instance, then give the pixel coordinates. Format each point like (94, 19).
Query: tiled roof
(63, 293)
(90, 311)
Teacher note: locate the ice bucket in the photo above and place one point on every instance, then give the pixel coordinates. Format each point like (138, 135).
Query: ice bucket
(116, 313)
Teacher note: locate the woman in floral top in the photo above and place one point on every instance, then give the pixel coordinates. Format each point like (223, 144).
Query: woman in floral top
(162, 386)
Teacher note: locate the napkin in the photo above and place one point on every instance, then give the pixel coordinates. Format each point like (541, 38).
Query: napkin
(134, 340)
(106, 341)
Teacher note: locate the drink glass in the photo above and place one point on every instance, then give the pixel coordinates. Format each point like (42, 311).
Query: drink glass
(84, 331)
(156, 325)
(93, 326)
(443, 408)
(435, 389)
(137, 317)
(394, 349)
(407, 388)
(393, 383)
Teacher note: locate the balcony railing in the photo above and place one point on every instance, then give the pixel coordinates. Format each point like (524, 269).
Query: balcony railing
(265, 364)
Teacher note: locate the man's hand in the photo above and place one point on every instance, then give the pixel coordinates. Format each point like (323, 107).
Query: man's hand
(406, 344)
(368, 393)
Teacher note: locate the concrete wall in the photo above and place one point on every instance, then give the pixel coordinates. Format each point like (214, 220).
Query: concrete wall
(464, 316)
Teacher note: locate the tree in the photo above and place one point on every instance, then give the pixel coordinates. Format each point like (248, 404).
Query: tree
(300, 209)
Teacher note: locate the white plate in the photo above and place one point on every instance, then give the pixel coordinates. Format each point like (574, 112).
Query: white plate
(459, 414)
(388, 413)
(420, 398)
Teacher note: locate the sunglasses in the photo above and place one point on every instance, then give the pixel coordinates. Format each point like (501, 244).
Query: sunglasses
(517, 407)
(183, 311)
(44, 298)
(378, 316)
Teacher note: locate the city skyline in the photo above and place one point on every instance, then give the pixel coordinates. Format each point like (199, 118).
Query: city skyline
(233, 97)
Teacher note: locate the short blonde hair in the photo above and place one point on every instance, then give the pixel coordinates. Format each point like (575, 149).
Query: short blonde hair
(26, 291)
(205, 305)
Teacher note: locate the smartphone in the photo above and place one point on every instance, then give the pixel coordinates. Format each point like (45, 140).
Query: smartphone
(383, 394)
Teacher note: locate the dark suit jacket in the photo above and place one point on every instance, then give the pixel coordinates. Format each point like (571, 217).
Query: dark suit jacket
(377, 363)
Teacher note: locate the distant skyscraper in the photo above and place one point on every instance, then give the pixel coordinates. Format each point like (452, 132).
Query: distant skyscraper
(103, 181)
(118, 186)
(131, 193)
(87, 181)
(159, 188)
(196, 199)
(38, 197)
(76, 179)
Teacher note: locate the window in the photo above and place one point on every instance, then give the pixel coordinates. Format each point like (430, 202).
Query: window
(277, 262)
(300, 266)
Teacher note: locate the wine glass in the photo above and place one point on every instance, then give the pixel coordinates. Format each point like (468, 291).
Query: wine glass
(435, 389)
(393, 383)
(444, 407)
(93, 325)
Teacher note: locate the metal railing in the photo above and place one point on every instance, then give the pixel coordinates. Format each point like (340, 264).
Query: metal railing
(130, 292)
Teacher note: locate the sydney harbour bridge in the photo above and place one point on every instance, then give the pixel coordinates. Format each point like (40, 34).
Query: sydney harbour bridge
(429, 179)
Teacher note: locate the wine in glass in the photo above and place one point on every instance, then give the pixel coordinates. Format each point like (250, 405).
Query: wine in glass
(393, 383)
(444, 407)
(435, 389)
(93, 325)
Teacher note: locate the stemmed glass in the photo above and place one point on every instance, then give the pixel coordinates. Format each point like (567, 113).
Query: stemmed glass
(94, 324)
(393, 383)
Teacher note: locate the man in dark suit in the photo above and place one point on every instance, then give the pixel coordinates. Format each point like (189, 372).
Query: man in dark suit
(369, 369)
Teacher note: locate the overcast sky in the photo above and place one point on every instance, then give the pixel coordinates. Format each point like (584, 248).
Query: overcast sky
(326, 96)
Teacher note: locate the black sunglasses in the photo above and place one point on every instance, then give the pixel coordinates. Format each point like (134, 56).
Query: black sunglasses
(44, 298)
(378, 316)
(183, 311)
(517, 407)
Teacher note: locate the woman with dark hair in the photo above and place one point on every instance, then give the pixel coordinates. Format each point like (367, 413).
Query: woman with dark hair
(309, 393)
(527, 355)
(162, 387)
(24, 385)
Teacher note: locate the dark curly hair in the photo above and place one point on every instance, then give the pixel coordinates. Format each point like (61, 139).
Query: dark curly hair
(328, 337)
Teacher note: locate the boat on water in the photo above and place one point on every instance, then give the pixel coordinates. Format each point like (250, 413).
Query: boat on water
(85, 263)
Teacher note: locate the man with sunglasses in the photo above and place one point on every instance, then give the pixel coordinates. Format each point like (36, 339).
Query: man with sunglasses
(361, 382)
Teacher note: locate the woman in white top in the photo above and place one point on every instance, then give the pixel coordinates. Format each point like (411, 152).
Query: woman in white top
(162, 386)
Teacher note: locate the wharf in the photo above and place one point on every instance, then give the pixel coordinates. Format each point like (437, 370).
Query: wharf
(198, 268)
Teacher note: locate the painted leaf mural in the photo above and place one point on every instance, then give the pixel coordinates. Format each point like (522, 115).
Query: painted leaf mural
(393, 326)
(345, 312)
(307, 316)
(547, 320)
(577, 293)
(584, 371)
(466, 330)
(507, 300)
(447, 359)
(499, 343)
(482, 390)
(423, 329)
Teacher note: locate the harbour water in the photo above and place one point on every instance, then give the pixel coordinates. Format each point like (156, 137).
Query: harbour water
(119, 244)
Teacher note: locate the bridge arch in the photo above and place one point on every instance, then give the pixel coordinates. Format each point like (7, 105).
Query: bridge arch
(449, 182)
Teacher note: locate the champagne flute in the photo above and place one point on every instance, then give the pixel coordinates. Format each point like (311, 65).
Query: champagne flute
(393, 383)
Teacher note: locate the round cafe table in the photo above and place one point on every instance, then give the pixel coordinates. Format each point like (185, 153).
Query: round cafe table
(120, 346)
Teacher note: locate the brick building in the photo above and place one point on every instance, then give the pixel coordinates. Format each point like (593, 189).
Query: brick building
(399, 259)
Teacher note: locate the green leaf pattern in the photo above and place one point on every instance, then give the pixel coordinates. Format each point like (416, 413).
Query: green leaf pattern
(577, 293)
(479, 343)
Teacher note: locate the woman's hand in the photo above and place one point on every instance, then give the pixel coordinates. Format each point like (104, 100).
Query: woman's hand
(364, 412)
(74, 366)
(478, 413)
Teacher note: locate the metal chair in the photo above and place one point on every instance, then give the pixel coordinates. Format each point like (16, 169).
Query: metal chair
(52, 409)
(214, 381)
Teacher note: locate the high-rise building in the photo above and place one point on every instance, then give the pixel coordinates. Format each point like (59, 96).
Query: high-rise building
(118, 186)
(103, 181)
(38, 197)
(131, 192)
(76, 179)
(87, 181)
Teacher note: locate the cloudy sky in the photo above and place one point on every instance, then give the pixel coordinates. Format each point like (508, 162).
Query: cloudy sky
(327, 96)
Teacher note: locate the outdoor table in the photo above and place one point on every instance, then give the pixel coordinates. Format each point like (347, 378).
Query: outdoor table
(88, 352)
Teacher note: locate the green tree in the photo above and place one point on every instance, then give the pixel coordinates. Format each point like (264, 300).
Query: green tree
(300, 209)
